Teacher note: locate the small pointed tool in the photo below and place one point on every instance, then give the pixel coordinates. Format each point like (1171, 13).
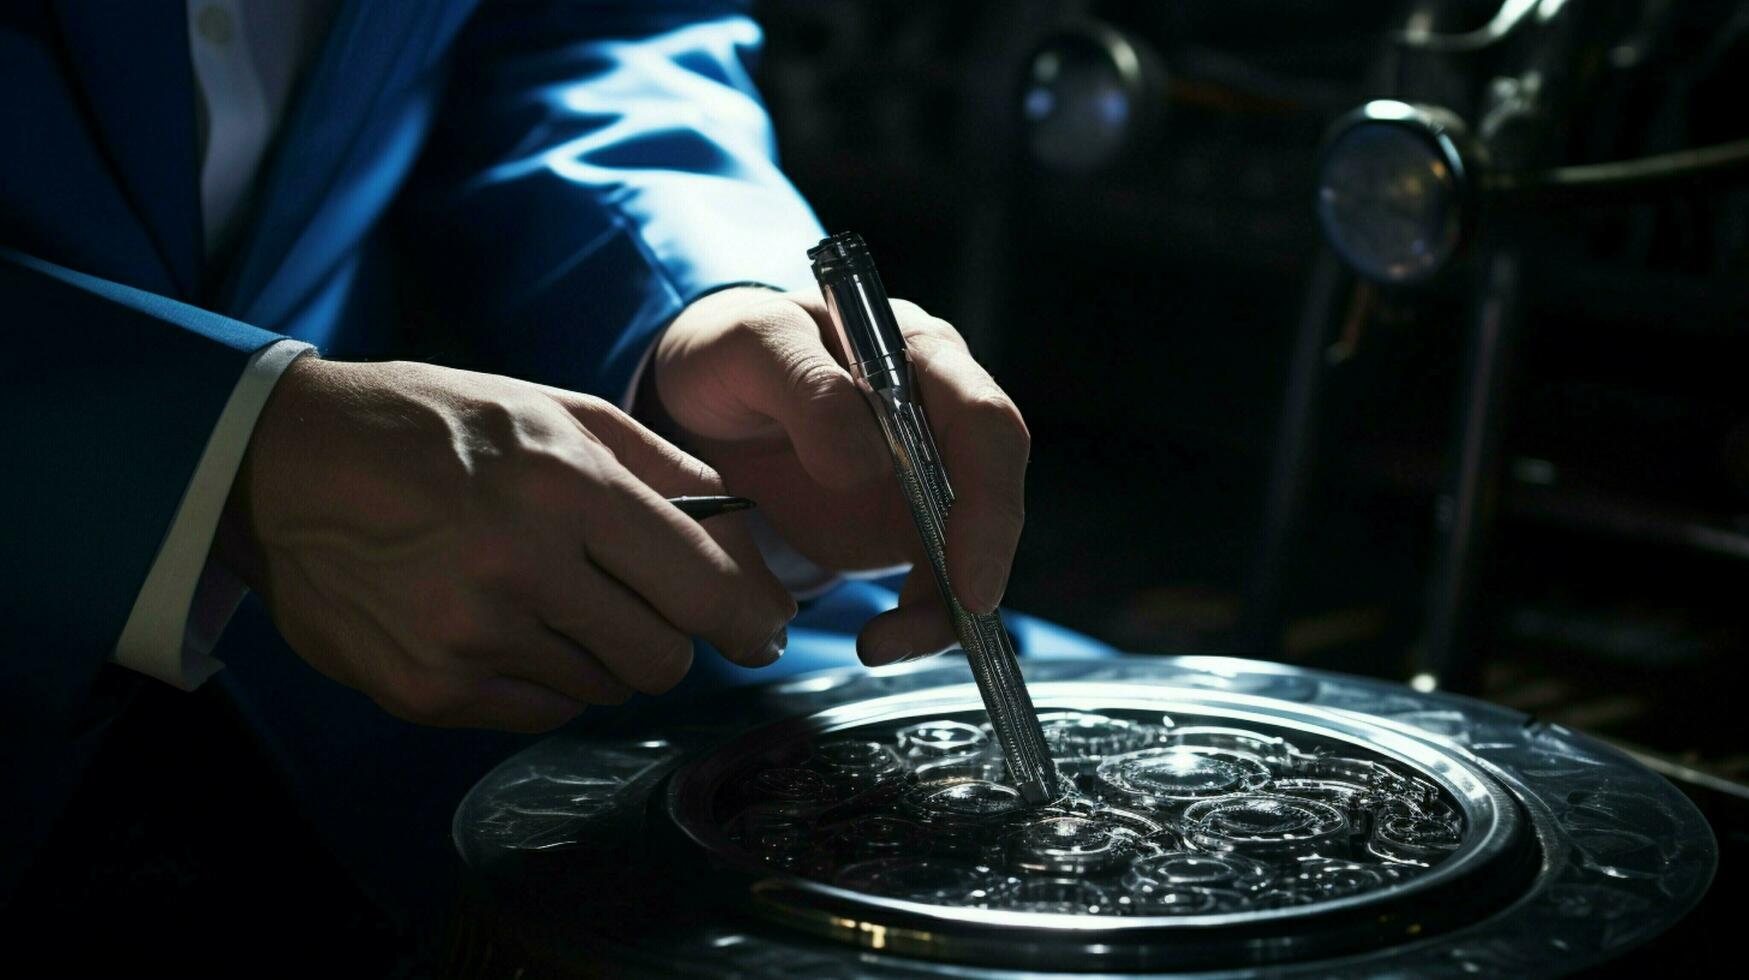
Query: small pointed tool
(702, 508)
(874, 351)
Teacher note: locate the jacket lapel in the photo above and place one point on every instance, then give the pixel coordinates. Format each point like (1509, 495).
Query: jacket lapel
(132, 61)
(369, 42)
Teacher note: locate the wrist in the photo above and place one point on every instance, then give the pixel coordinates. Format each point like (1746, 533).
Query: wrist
(236, 543)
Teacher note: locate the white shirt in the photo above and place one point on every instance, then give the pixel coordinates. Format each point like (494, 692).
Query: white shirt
(248, 56)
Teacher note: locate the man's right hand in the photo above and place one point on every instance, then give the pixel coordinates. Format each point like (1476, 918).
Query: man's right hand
(473, 550)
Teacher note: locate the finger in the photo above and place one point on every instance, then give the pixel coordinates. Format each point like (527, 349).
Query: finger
(918, 627)
(639, 648)
(985, 444)
(788, 375)
(664, 466)
(734, 600)
(559, 664)
(634, 535)
(409, 687)
(671, 472)
(850, 530)
(514, 705)
(686, 577)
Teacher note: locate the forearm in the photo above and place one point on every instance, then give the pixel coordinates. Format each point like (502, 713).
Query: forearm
(116, 393)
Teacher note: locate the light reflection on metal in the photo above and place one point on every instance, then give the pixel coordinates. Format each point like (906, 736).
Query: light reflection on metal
(1078, 865)
(1623, 854)
(1090, 93)
(1396, 190)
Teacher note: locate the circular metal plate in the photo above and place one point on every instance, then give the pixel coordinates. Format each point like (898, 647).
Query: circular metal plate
(576, 861)
(1211, 795)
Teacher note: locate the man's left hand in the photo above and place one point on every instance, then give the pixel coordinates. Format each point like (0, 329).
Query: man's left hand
(753, 385)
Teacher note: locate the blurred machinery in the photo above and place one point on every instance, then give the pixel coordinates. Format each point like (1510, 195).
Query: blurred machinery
(1403, 188)
(1401, 337)
(1383, 335)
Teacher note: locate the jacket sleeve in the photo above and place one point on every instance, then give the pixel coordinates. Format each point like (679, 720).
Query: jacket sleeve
(596, 167)
(110, 396)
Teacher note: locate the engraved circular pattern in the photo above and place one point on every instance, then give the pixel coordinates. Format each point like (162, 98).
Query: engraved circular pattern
(1186, 869)
(935, 739)
(967, 798)
(1155, 818)
(577, 813)
(1079, 736)
(1069, 844)
(1260, 821)
(1180, 774)
(790, 784)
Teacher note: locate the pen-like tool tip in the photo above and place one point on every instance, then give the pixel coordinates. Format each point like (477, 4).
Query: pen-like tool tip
(1036, 792)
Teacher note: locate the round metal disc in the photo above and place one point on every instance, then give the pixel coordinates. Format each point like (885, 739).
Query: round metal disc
(575, 860)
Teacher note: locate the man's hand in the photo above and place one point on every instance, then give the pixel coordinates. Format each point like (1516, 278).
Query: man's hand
(472, 550)
(752, 382)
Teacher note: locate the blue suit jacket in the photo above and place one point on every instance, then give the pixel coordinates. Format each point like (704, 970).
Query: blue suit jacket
(576, 173)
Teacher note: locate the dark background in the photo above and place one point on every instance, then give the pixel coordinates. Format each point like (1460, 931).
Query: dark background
(1142, 313)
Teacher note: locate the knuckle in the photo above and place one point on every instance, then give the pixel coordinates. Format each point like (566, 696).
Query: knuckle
(702, 474)
(814, 379)
(494, 422)
(941, 331)
(771, 322)
(999, 418)
(780, 313)
(922, 327)
(948, 335)
(501, 439)
(601, 420)
(594, 405)
(914, 317)
(548, 479)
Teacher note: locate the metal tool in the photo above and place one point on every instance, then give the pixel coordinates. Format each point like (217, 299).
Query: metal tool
(876, 356)
(704, 508)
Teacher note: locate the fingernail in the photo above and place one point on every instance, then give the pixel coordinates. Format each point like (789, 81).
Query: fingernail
(773, 648)
(989, 579)
(888, 652)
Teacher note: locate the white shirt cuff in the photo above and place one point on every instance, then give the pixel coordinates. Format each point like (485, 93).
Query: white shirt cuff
(169, 633)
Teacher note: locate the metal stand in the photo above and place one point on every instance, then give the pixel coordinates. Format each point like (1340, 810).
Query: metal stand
(1465, 510)
(1265, 609)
